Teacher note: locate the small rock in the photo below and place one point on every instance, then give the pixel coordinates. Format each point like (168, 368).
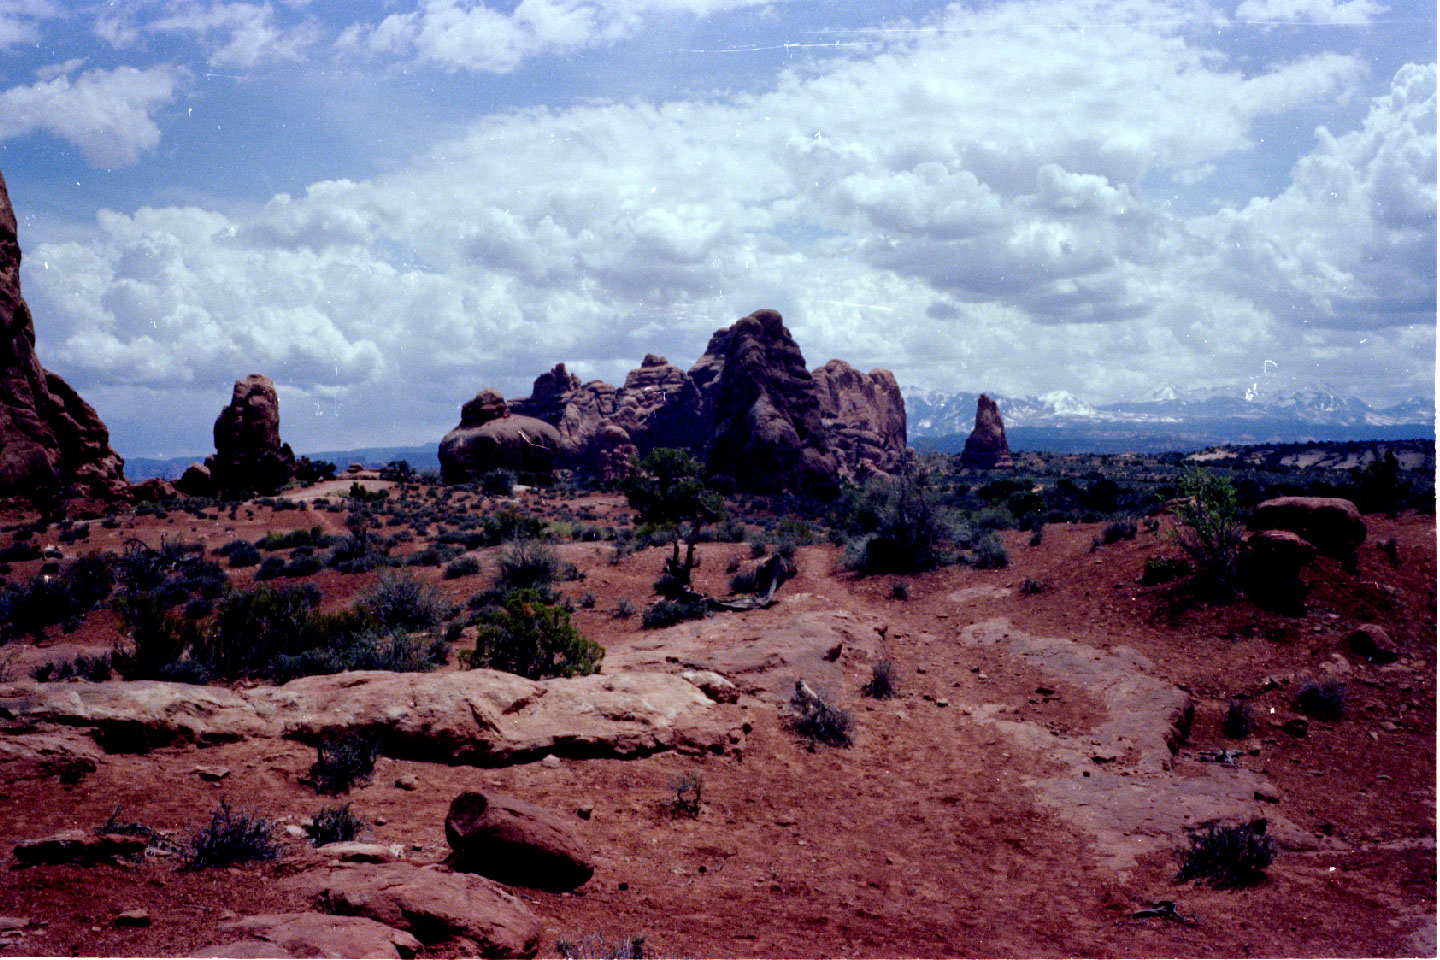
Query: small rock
(516, 843)
(212, 774)
(1388, 726)
(1296, 726)
(550, 762)
(942, 702)
(381, 821)
(1267, 796)
(408, 782)
(1373, 643)
(294, 831)
(8, 924)
(585, 812)
(134, 917)
(352, 851)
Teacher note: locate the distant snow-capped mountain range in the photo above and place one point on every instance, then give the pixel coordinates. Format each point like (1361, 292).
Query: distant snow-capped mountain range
(1166, 415)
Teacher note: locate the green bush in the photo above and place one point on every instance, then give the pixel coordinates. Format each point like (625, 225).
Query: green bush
(1211, 533)
(1160, 570)
(908, 536)
(402, 602)
(1117, 530)
(533, 638)
(463, 567)
(528, 563)
(881, 685)
(990, 553)
(95, 669)
(497, 483)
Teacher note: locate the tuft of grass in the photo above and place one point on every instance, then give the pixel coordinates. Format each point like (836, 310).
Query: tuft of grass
(232, 836)
(899, 590)
(1030, 586)
(335, 825)
(881, 685)
(818, 720)
(1233, 856)
(596, 946)
(624, 609)
(687, 788)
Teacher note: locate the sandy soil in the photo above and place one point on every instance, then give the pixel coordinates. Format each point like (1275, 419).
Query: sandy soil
(959, 822)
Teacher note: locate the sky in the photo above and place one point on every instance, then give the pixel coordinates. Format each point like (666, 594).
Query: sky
(388, 206)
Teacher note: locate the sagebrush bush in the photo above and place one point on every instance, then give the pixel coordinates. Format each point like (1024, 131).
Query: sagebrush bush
(528, 563)
(1237, 719)
(335, 824)
(990, 553)
(899, 590)
(881, 685)
(343, 760)
(665, 613)
(1229, 856)
(1117, 530)
(400, 601)
(819, 721)
(1160, 570)
(529, 636)
(95, 669)
(908, 534)
(1322, 700)
(463, 567)
(596, 946)
(231, 837)
(687, 788)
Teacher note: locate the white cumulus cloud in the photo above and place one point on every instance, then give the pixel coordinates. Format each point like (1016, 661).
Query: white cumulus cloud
(107, 114)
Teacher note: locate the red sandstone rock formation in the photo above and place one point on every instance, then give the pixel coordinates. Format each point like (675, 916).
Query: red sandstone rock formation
(54, 449)
(986, 448)
(249, 456)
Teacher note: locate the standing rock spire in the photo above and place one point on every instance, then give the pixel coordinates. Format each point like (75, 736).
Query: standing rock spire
(986, 448)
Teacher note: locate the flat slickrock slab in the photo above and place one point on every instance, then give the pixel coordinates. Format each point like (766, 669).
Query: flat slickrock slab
(310, 935)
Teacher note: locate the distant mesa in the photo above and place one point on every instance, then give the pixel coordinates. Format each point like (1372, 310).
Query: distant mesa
(986, 448)
(249, 456)
(749, 409)
(54, 449)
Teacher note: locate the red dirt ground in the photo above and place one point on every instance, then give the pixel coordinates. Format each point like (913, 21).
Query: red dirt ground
(922, 839)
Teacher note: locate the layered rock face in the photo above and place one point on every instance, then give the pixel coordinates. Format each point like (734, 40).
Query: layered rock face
(986, 448)
(249, 455)
(490, 437)
(748, 408)
(53, 446)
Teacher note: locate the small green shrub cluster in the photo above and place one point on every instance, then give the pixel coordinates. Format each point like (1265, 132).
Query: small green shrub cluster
(1228, 856)
(818, 720)
(881, 684)
(1160, 570)
(530, 636)
(335, 824)
(343, 760)
(666, 613)
(95, 669)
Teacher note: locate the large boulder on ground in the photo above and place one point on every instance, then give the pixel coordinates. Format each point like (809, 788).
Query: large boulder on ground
(45, 752)
(986, 448)
(249, 455)
(79, 846)
(1372, 641)
(1270, 566)
(452, 914)
(516, 843)
(1332, 524)
(154, 490)
(490, 437)
(865, 416)
(54, 448)
(310, 935)
(196, 481)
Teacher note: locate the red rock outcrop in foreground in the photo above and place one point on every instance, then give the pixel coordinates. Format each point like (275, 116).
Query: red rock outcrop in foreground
(748, 408)
(53, 446)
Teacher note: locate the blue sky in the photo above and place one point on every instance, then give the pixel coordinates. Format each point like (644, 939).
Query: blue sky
(386, 207)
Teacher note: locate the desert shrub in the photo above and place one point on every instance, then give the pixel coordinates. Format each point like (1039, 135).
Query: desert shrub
(624, 609)
(497, 483)
(161, 647)
(463, 567)
(1117, 530)
(1037, 533)
(397, 652)
(596, 946)
(309, 471)
(817, 720)
(587, 600)
(666, 613)
(273, 540)
(1030, 587)
(687, 788)
(232, 836)
(730, 531)
(508, 525)
(335, 825)
(303, 565)
(990, 553)
(1233, 856)
(1323, 701)
(253, 627)
(1237, 719)
(343, 760)
(899, 590)
(270, 568)
(533, 638)
(881, 684)
(1210, 532)
(907, 537)
(528, 563)
(55, 597)
(94, 669)
(242, 553)
(758, 548)
(402, 602)
(1160, 570)
(360, 494)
